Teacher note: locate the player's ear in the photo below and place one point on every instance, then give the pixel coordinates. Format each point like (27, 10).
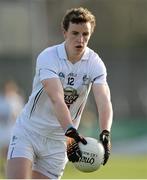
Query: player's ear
(64, 33)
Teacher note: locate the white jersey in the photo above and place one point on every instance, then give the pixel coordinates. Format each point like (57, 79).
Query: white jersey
(38, 114)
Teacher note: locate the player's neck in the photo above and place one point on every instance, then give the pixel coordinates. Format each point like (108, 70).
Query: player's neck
(74, 57)
(74, 60)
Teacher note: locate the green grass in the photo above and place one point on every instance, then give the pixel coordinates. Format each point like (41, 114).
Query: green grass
(2, 168)
(116, 168)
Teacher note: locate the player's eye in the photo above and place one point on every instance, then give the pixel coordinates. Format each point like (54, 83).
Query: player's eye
(85, 33)
(75, 33)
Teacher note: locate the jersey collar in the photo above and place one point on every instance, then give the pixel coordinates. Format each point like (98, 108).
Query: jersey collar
(62, 52)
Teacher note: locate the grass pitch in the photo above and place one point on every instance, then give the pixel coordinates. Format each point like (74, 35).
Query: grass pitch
(117, 168)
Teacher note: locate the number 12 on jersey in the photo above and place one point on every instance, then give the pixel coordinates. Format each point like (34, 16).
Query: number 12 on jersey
(70, 81)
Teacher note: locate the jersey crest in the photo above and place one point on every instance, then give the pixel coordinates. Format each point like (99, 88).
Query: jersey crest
(70, 95)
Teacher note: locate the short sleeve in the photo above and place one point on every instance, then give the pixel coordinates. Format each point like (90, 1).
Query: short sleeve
(98, 72)
(46, 66)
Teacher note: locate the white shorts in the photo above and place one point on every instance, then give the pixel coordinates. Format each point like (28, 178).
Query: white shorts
(48, 155)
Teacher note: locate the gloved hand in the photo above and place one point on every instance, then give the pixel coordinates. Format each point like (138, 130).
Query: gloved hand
(73, 150)
(105, 140)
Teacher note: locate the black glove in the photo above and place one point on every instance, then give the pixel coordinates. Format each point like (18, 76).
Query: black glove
(73, 151)
(105, 139)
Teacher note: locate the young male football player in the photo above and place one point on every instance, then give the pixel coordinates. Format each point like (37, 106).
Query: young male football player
(64, 76)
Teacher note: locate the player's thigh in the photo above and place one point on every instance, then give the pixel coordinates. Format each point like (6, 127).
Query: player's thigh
(21, 145)
(19, 168)
(20, 155)
(52, 160)
(38, 175)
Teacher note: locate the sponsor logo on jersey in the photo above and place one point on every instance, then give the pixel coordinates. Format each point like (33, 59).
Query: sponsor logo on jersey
(61, 75)
(70, 95)
(86, 80)
(72, 74)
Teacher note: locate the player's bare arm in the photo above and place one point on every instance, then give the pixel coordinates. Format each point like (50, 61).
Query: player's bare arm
(54, 90)
(104, 106)
(103, 101)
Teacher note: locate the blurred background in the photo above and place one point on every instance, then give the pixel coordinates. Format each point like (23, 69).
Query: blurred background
(120, 39)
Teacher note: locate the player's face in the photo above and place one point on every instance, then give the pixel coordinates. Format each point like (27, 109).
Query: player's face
(76, 39)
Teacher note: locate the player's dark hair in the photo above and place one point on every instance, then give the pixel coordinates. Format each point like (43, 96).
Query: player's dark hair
(78, 15)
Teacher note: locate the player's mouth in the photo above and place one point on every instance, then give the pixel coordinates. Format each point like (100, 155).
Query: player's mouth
(79, 46)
